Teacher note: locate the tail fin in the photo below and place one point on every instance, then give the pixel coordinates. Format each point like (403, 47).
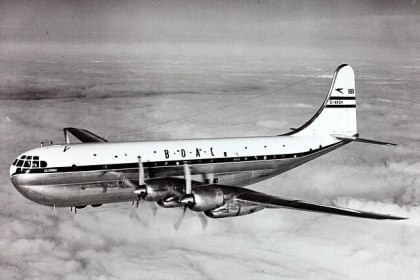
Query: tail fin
(337, 114)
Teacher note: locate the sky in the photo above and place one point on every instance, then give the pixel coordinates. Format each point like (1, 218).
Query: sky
(128, 70)
(385, 26)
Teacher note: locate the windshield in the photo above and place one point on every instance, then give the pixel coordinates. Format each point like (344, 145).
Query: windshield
(29, 162)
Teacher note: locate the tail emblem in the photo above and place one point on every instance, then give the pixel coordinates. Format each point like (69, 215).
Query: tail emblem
(339, 90)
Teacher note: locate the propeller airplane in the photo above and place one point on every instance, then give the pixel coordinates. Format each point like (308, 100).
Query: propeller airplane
(207, 176)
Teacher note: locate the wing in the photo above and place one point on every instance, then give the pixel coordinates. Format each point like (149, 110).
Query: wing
(277, 202)
(83, 135)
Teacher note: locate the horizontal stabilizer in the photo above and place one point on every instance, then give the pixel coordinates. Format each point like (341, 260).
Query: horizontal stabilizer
(85, 136)
(362, 140)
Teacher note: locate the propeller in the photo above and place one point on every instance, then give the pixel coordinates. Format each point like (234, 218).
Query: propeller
(180, 218)
(141, 172)
(203, 220)
(188, 200)
(140, 190)
(187, 177)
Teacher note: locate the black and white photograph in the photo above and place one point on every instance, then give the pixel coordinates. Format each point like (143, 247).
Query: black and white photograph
(210, 139)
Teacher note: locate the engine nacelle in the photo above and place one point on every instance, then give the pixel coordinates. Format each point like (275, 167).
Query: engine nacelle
(206, 198)
(169, 204)
(162, 189)
(233, 210)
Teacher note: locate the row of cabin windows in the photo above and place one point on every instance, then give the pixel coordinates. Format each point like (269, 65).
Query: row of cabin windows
(29, 162)
(225, 154)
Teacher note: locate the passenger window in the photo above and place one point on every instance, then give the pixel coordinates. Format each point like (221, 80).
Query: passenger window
(35, 164)
(20, 163)
(43, 164)
(27, 164)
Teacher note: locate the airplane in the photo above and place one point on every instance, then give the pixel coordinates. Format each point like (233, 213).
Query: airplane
(204, 175)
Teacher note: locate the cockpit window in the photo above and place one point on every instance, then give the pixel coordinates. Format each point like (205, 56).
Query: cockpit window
(29, 162)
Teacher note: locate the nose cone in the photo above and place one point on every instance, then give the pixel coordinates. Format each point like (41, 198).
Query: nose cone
(31, 192)
(18, 184)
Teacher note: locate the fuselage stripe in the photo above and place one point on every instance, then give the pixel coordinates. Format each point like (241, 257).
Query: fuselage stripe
(342, 98)
(341, 106)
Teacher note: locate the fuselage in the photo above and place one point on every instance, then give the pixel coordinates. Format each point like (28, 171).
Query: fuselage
(94, 173)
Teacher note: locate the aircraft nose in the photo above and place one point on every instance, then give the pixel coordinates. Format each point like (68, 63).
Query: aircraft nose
(16, 183)
(12, 170)
(24, 189)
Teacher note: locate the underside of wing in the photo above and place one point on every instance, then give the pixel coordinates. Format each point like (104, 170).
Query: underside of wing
(85, 136)
(277, 202)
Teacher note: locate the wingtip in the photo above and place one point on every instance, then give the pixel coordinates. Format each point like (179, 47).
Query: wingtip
(390, 217)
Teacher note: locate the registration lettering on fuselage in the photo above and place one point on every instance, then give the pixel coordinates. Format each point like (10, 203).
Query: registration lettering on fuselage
(50, 170)
(335, 102)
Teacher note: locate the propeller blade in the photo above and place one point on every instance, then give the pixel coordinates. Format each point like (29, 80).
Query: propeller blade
(141, 172)
(203, 220)
(122, 184)
(140, 189)
(180, 218)
(187, 175)
(154, 208)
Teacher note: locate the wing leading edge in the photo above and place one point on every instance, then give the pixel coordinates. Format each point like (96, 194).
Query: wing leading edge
(277, 202)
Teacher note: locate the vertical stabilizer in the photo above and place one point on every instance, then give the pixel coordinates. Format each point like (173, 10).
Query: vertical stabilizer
(337, 114)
